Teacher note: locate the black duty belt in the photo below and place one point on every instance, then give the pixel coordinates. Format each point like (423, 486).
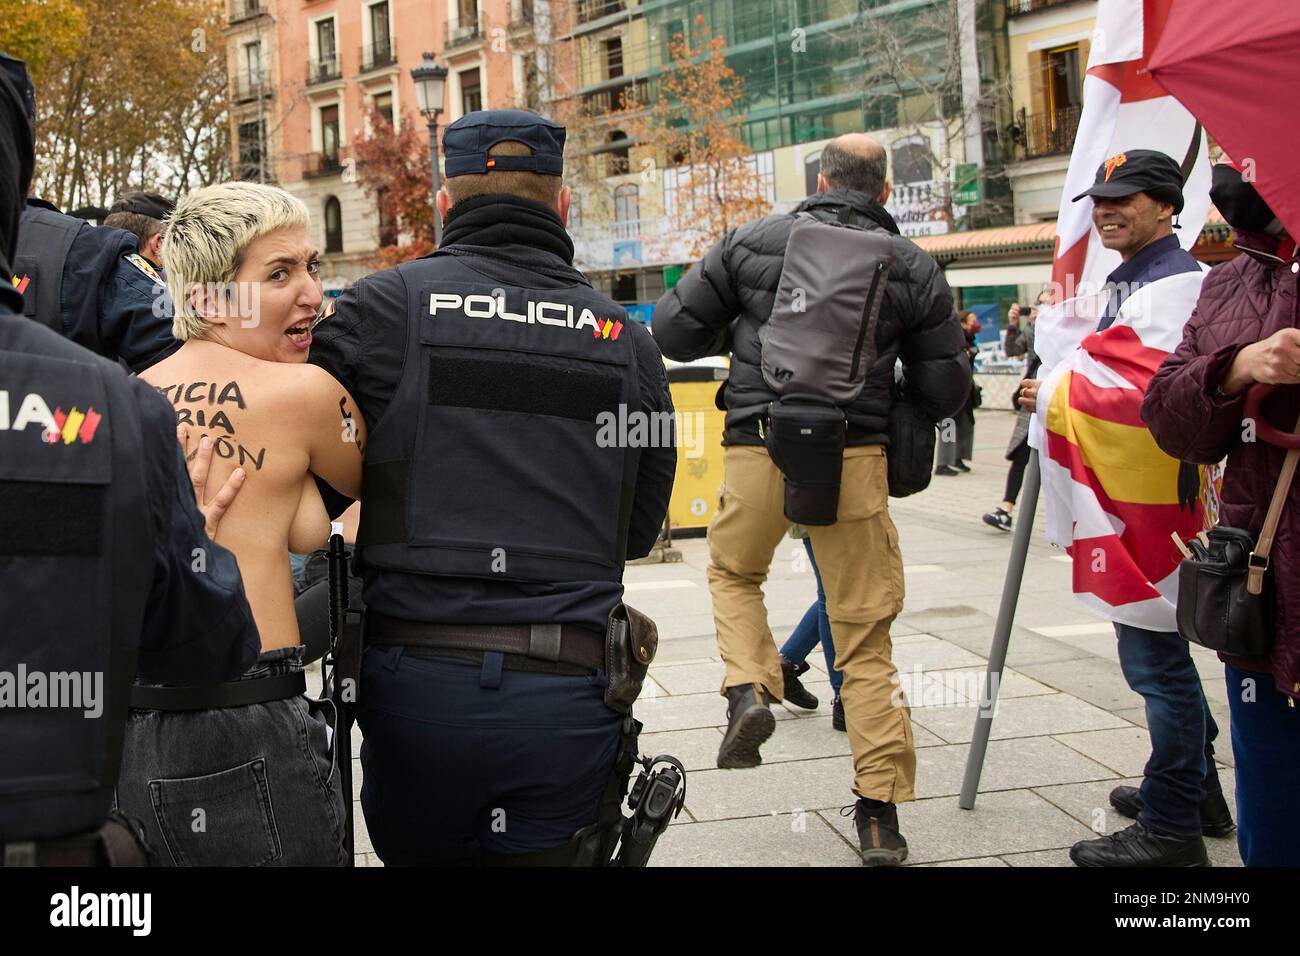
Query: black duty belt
(561, 644)
(82, 850)
(113, 844)
(238, 693)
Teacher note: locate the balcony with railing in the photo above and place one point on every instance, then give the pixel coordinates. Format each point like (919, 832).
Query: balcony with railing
(1017, 7)
(379, 54)
(464, 30)
(249, 85)
(1044, 134)
(318, 165)
(604, 102)
(323, 70)
(589, 10)
(241, 10)
(521, 14)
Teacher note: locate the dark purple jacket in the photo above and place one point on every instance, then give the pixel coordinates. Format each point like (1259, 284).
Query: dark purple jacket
(1242, 301)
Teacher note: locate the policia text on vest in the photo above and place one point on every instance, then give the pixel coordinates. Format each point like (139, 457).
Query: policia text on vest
(495, 526)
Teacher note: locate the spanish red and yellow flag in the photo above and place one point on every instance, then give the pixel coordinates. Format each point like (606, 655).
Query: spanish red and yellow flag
(1111, 496)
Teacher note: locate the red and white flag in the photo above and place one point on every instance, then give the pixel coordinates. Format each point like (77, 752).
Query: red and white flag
(1124, 108)
(1111, 496)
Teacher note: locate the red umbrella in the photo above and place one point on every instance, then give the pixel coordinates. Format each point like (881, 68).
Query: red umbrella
(1234, 67)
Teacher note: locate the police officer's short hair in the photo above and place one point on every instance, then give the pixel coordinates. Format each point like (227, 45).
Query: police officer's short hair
(208, 233)
(538, 187)
(847, 169)
(144, 227)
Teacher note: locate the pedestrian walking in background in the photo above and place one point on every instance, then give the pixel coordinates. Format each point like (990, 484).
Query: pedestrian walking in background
(957, 445)
(813, 628)
(1018, 340)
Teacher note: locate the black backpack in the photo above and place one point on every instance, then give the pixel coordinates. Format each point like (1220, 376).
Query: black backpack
(817, 347)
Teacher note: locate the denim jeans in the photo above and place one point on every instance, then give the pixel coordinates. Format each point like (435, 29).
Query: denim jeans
(237, 786)
(1158, 665)
(813, 628)
(463, 759)
(1266, 745)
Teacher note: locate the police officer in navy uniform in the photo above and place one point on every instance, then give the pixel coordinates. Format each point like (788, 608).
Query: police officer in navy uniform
(496, 514)
(144, 215)
(106, 569)
(147, 338)
(81, 280)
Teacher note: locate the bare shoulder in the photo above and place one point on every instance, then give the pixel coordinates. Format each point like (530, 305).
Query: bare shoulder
(311, 384)
(160, 373)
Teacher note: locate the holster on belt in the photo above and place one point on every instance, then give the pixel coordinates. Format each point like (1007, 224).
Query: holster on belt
(118, 842)
(631, 640)
(347, 658)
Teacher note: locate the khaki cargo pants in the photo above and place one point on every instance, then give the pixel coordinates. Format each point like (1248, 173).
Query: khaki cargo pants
(862, 575)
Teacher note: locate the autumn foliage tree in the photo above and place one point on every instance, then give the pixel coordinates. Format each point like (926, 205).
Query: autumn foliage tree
(694, 121)
(39, 32)
(128, 96)
(393, 167)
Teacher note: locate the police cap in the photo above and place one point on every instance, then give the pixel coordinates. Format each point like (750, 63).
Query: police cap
(1139, 171)
(467, 141)
(152, 205)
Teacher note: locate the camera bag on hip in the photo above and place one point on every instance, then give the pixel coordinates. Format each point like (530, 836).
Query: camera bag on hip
(1225, 589)
(817, 348)
(804, 435)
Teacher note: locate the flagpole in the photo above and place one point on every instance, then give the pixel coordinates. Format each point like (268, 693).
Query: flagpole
(1001, 634)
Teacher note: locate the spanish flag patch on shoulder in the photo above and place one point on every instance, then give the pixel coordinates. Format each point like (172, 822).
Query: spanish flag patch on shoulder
(144, 265)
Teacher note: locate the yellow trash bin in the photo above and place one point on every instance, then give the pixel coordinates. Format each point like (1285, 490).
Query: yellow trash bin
(699, 442)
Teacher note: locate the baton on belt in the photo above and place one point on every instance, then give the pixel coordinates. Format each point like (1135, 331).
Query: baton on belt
(340, 686)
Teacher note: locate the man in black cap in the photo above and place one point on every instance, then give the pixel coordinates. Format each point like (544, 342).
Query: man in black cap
(88, 283)
(136, 311)
(1135, 197)
(107, 569)
(142, 214)
(497, 513)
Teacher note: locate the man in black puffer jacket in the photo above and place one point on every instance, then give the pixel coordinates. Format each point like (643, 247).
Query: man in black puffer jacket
(719, 307)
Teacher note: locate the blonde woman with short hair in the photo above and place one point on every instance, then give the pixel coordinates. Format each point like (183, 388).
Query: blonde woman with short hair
(243, 274)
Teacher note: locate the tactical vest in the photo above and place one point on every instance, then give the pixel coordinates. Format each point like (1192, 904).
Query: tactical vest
(44, 239)
(501, 454)
(76, 559)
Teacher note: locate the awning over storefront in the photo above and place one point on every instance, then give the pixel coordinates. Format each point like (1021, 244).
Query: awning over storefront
(1030, 242)
(1026, 273)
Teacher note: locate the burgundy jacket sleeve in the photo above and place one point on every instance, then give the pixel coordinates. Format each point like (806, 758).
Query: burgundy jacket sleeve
(1186, 418)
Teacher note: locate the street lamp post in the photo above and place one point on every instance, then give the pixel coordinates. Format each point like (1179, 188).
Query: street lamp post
(430, 83)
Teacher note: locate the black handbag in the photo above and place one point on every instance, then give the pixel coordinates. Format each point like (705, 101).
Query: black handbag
(910, 457)
(1225, 586)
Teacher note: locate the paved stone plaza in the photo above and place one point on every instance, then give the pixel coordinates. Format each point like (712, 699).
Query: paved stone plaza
(1067, 728)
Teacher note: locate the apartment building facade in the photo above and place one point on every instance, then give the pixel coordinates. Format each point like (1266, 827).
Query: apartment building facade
(1049, 44)
(312, 71)
(812, 70)
(252, 68)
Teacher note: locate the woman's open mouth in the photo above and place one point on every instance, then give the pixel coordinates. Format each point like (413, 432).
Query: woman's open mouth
(300, 334)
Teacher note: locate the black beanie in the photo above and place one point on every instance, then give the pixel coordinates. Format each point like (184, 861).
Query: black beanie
(1236, 197)
(17, 159)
